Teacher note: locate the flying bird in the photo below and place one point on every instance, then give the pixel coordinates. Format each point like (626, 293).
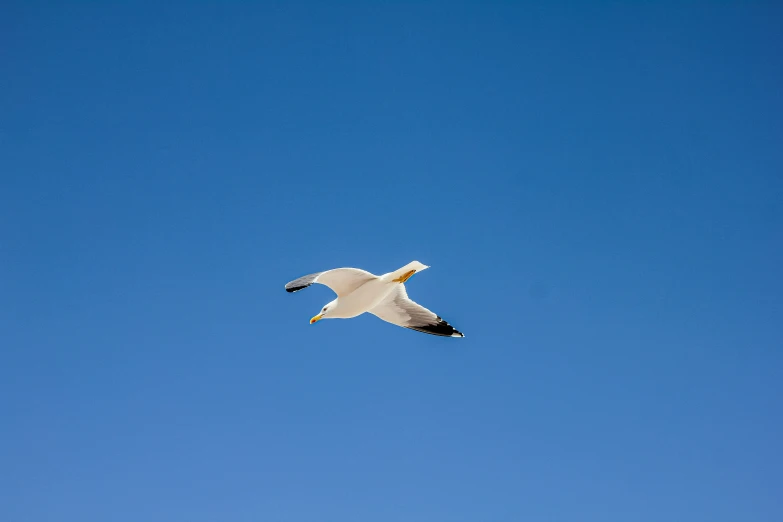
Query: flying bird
(383, 296)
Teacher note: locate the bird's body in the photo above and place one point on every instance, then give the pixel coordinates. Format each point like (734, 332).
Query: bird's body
(363, 299)
(384, 296)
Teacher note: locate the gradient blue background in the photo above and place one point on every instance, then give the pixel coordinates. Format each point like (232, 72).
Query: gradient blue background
(597, 189)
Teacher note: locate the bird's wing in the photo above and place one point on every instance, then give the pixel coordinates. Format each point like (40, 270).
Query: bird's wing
(342, 281)
(398, 309)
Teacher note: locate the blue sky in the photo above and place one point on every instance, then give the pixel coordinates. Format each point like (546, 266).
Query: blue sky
(597, 189)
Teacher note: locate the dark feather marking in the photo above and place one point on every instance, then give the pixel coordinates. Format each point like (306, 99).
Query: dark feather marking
(302, 282)
(441, 328)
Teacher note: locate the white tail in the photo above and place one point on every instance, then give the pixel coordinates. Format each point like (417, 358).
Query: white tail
(402, 274)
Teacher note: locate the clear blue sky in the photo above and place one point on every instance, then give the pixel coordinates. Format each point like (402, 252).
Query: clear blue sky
(598, 190)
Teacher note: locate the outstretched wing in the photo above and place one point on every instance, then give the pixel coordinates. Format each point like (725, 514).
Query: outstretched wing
(398, 309)
(342, 281)
(301, 282)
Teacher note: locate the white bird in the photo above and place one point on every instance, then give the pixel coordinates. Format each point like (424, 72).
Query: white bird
(383, 296)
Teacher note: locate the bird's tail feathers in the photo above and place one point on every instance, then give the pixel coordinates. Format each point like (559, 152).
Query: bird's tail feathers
(402, 274)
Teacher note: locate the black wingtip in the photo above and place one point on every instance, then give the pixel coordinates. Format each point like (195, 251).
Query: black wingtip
(441, 328)
(301, 282)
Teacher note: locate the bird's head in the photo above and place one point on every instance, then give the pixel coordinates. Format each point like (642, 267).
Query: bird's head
(324, 313)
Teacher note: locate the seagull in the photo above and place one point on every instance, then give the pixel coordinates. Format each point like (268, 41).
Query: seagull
(359, 291)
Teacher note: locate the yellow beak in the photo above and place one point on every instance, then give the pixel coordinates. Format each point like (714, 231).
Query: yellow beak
(316, 318)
